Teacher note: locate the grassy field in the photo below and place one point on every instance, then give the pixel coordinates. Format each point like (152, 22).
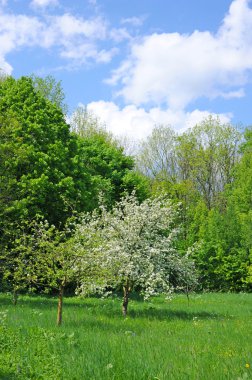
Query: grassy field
(209, 338)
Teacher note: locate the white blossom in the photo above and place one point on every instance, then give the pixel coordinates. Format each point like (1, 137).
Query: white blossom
(134, 244)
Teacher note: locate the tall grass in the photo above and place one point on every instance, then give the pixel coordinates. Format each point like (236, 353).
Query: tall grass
(209, 338)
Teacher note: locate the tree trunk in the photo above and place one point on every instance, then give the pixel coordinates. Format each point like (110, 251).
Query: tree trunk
(14, 297)
(126, 291)
(60, 304)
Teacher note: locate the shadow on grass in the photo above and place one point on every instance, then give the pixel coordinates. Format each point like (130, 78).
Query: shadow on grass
(95, 307)
(7, 375)
(109, 324)
(95, 316)
(171, 314)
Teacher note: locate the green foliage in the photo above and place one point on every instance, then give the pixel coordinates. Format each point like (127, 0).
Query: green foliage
(43, 257)
(203, 170)
(41, 153)
(134, 181)
(107, 164)
(157, 155)
(50, 89)
(48, 172)
(202, 158)
(40, 172)
(222, 259)
(111, 170)
(52, 170)
(207, 154)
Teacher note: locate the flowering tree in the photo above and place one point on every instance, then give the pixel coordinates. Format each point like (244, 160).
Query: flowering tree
(42, 258)
(137, 248)
(49, 259)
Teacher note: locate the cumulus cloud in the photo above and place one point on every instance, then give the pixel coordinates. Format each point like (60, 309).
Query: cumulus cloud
(176, 69)
(163, 71)
(74, 38)
(137, 123)
(17, 31)
(68, 25)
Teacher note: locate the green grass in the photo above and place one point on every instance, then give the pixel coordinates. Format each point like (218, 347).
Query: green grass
(209, 338)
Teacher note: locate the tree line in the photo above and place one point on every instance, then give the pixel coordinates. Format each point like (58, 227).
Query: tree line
(77, 212)
(207, 169)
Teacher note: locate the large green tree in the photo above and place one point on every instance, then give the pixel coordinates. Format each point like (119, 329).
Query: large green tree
(39, 157)
(40, 170)
(206, 155)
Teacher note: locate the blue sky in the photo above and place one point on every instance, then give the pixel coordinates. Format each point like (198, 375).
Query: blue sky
(137, 63)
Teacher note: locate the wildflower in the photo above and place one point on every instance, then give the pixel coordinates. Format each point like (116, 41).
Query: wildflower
(247, 365)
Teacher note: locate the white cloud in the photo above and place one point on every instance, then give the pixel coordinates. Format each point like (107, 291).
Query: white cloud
(138, 123)
(15, 32)
(119, 34)
(78, 38)
(44, 3)
(175, 69)
(5, 67)
(73, 38)
(68, 26)
(165, 71)
(134, 21)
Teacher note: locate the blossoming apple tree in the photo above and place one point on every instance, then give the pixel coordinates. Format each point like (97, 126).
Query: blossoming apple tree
(136, 247)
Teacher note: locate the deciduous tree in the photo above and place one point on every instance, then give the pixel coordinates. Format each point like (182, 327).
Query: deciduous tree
(138, 248)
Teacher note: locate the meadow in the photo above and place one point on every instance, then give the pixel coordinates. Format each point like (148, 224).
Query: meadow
(209, 337)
